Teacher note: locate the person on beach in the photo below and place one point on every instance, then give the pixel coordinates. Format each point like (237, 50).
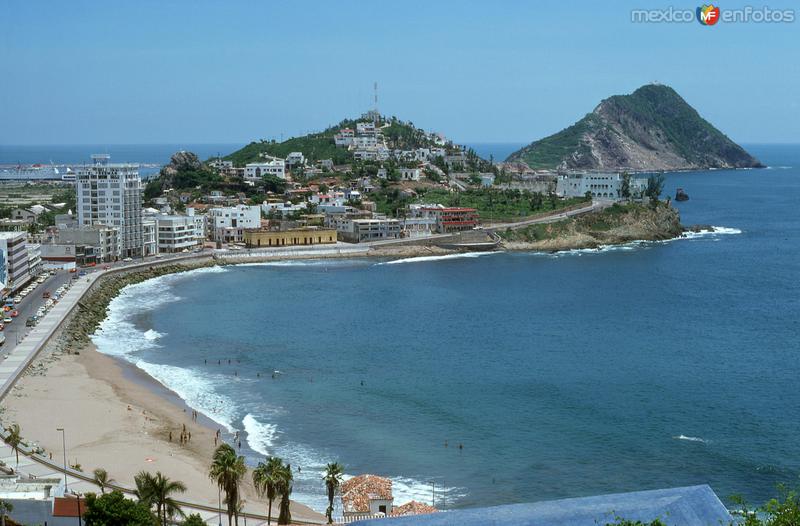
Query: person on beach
(170, 436)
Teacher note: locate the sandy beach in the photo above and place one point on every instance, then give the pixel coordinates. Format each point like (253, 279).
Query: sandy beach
(120, 419)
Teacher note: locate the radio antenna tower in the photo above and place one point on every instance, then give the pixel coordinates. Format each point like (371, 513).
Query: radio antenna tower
(375, 114)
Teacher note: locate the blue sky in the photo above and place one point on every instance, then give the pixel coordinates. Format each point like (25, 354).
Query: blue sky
(186, 72)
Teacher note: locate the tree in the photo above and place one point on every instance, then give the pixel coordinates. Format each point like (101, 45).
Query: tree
(332, 478)
(14, 438)
(227, 470)
(102, 479)
(194, 520)
(625, 189)
(156, 491)
(113, 509)
(285, 478)
(655, 185)
(265, 479)
(5, 507)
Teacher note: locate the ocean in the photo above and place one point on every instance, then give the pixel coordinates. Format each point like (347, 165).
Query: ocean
(510, 377)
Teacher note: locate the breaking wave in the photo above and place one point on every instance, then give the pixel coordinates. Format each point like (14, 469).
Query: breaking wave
(690, 439)
(422, 259)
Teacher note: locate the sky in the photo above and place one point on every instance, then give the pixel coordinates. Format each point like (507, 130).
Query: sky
(199, 71)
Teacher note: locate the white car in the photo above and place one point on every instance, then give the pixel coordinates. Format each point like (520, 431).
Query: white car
(128, 259)
(17, 299)
(7, 320)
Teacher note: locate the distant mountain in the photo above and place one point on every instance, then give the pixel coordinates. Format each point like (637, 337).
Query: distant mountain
(653, 128)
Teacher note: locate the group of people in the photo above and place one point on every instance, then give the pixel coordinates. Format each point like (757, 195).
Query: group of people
(185, 436)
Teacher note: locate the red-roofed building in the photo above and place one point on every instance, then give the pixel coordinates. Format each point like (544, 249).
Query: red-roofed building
(366, 495)
(448, 219)
(413, 508)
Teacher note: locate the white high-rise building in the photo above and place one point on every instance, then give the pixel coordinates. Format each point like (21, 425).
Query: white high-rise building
(111, 194)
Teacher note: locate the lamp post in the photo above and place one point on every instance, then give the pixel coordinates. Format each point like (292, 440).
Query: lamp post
(64, 445)
(219, 501)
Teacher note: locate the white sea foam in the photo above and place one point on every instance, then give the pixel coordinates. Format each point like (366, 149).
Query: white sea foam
(198, 390)
(715, 231)
(422, 259)
(152, 335)
(405, 489)
(690, 439)
(260, 436)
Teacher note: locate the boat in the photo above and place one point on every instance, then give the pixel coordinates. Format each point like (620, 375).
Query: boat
(33, 172)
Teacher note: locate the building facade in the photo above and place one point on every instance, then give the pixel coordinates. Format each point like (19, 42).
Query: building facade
(274, 166)
(104, 239)
(111, 194)
(292, 237)
(364, 230)
(228, 224)
(13, 261)
(175, 233)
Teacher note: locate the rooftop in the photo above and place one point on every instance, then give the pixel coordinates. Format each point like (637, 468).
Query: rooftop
(686, 506)
(359, 490)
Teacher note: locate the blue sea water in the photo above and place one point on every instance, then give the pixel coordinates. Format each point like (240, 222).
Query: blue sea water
(644, 366)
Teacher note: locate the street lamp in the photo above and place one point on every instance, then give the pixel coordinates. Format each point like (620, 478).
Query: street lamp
(219, 509)
(64, 444)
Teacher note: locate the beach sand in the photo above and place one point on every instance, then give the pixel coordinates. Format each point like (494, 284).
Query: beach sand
(118, 418)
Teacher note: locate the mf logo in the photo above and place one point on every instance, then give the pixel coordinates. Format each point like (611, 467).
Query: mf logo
(708, 15)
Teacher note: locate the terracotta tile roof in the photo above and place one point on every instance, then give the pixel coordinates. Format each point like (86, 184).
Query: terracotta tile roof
(413, 508)
(359, 490)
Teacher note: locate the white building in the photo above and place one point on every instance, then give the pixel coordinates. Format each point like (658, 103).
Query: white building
(296, 159)
(199, 225)
(149, 236)
(344, 137)
(229, 223)
(284, 209)
(111, 194)
(367, 128)
(365, 142)
(175, 233)
(361, 230)
(274, 166)
(13, 261)
(410, 174)
(606, 185)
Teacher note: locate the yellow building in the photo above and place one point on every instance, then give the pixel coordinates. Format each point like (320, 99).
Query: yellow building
(286, 238)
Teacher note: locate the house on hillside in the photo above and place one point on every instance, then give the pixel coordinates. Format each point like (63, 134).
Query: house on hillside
(366, 496)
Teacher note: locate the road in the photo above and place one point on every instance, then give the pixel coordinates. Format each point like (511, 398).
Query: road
(595, 206)
(16, 330)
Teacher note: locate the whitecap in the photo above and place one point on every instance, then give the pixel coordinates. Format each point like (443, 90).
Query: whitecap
(690, 439)
(198, 390)
(152, 335)
(260, 436)
(421, 259)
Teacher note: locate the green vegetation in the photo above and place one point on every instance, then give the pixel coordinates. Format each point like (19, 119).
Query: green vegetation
(113, 509)
(597, 222)
(333, 479)
(266, 477)
(227, 471)
(315, 146)
(14, 439)
(549, 152)
(653, 117)
(499, 205)
(102, 479)
(156, 491)
(784, 510)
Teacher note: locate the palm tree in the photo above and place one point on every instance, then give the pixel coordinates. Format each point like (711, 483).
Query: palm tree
(228, 470)
(14, 438)
(156, 491)
(284, 489)
(102, 479)
(5, 507)
(332, 478)
(265, 479)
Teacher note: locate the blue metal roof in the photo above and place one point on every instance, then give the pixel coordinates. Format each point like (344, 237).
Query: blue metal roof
(687, 506)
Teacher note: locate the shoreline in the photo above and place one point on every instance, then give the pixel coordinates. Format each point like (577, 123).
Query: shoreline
(71, 379)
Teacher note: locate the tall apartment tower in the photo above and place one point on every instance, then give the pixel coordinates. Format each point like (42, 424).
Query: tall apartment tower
(111, 194)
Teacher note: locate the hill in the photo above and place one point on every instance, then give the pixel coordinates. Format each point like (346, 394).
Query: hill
(320, 145)
(651, 129)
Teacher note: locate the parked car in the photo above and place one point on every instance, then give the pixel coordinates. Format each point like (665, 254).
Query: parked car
(7, 320)
(30, 322)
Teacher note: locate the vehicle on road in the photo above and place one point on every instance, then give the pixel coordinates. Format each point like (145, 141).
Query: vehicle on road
(2, 338)
(14, 313)
(7, 320)
(127, 259)
(73, 270)
(30, 322)
(46, 294)
(17, 299)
